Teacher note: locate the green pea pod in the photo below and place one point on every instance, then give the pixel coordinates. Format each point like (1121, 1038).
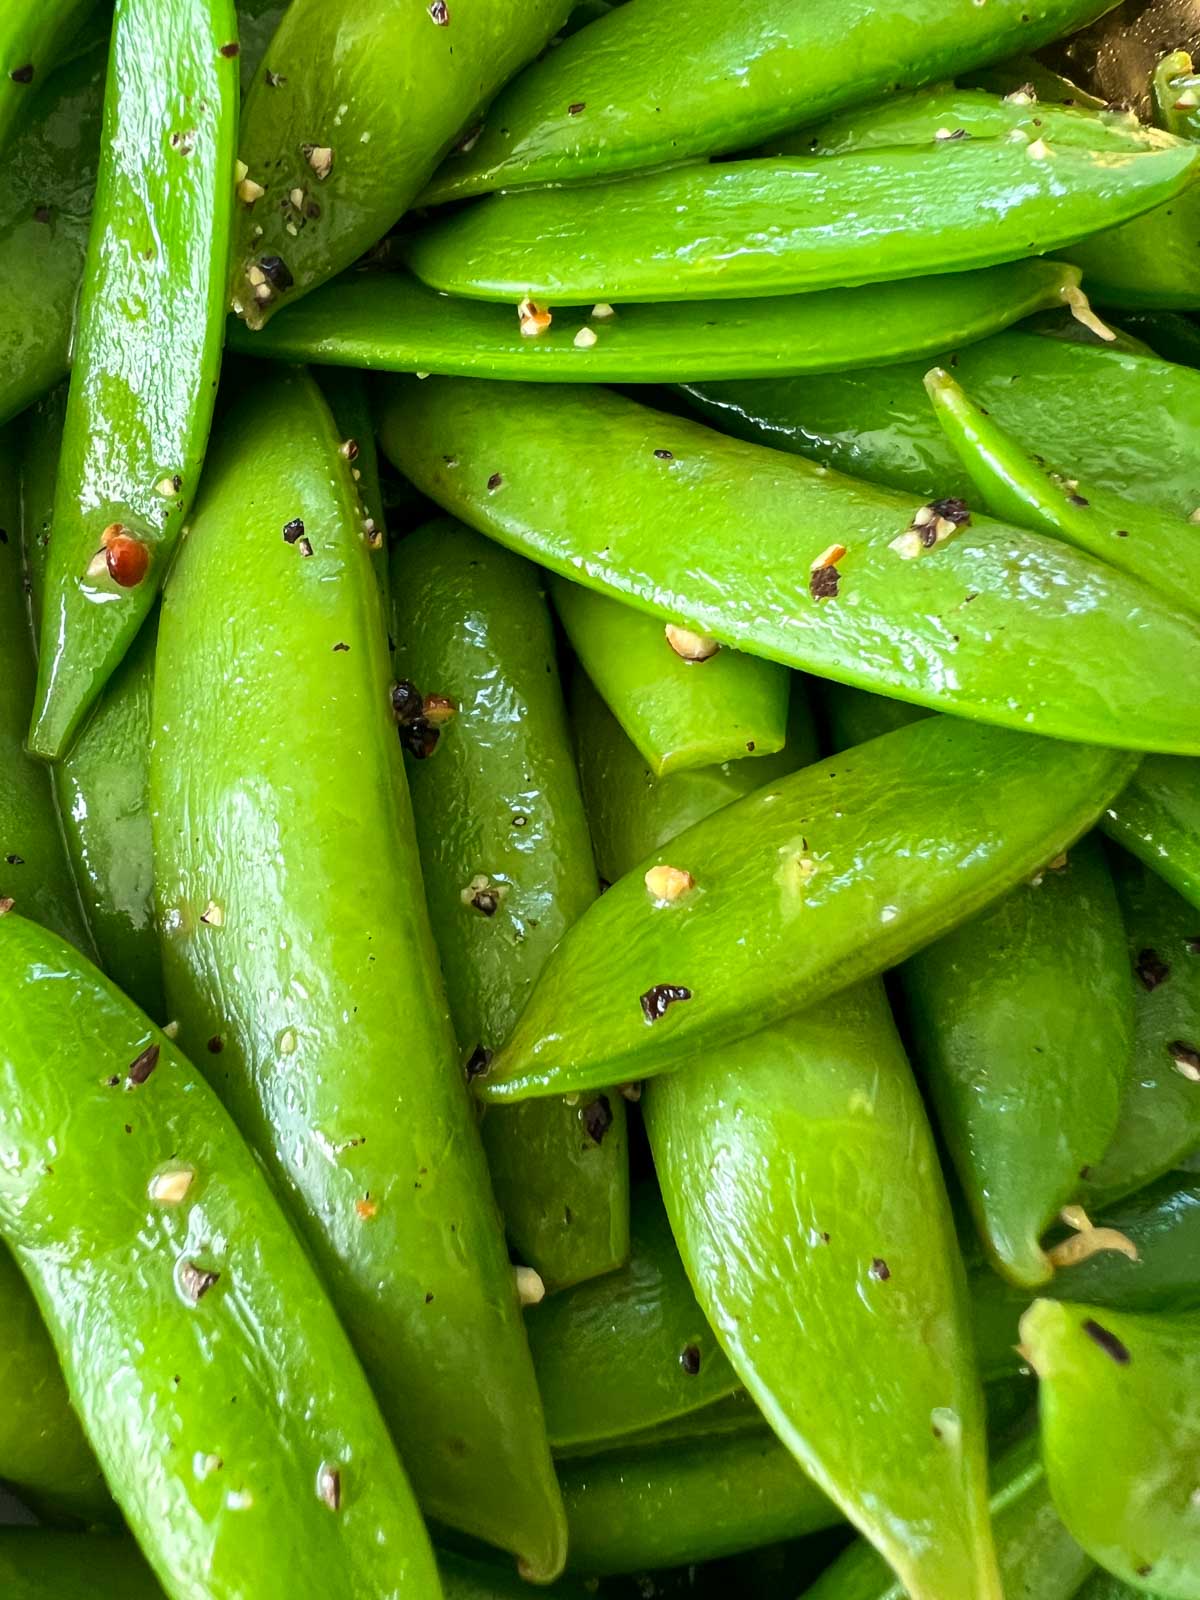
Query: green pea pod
(1120, 1426)
(34, 36)
(346, 396)
(1022, 1022)
(1176, 90)
(337, 145)
(751, 561)
(684, 702)
(696, 233)
(1156, 817)
(647, 86)
(1162, 1222)
(1132, 425)
(653, 810)
(1159, 547)
(731, 1417)
(280, 803)
(137, 421)
(388, 321)
(507, 868)
(1038, 1558)
(152, 1213)
(1148, 263)
(629, 1351)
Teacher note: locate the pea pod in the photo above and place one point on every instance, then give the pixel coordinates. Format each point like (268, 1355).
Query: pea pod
(1133, 424)
(136, 423)
(345, 394)
(1156, 817)
(507, 868)
(682, 701)
(388, 321)
(1127, 1381)
(34, 35)
(328, 119)
(1176, 91)
(696, 232)
(751, 561)
(295, 817)
(153, 1213)
(647, 86)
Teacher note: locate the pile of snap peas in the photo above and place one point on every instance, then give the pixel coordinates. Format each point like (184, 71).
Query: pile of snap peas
(599, 847)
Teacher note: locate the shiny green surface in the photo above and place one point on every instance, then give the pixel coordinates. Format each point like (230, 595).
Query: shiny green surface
(679, 714)
(1133, 424)
(803, 1186)
(996, 624)
(1160, 1113)
(148, 346)
(867, 217)
(390, 322)
(786, 882)
(651, 83)
(1120, 1425)
(346, 396)
(387, 91)
(1157, 546)
(34, 35)
(1149, 263)
(499, 798)
(251, 1380)
(1022, 1024)
(1156, 817)
(280, 801)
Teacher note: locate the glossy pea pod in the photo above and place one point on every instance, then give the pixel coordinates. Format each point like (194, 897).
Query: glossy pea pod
(137, 421)
(683, 700)
(294, 817)
(648, 85)
(336, 145)
(131, 1202)
(388, 321)
(1156, 817)
(346, 395)
(507, 867)
(1176, 91)
(977, 617)
(34, 34)
(1127, 1382)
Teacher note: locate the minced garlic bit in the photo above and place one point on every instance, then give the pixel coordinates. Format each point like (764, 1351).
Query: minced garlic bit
(240, 169)
(1058, 863)
(829, 557)
(169, 1188)
(1194, 516)
(585, 338)
(171, 1030)
(6, 904)
(98, 565)
(602, 311)
(1187, 1060)
(213, 916)
(296, 196)
(1087, 1241)
(438, 709)
(1187, 101)
(248, 191)
(1038, 150)
(533, 319)
(1026, 95)
(690, 645)
(1082, 311)
(320, 159)
(668, 883)
(530, 1288)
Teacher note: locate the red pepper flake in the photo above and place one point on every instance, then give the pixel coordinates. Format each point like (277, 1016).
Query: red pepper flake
(494, 482)
(689, 1359)
(823, 583)
(140, 1068)
(216, 1044)
(597, 1118)
(478, 1062)
(578, 106)
(1151, 969)
(196, 1281)
(1107, 1341)
(293, 530)
(655, 1001)
(440, 12)
(233, 48)
(127, 560)
(329, 1486)
(880, 1269)
(22, 74)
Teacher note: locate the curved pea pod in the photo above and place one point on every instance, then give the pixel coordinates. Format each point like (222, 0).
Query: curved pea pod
(137, 421)
(507, 868)
(298, 820)
(1022, 1023)
(750, 562)
(653, 810)
(647, 86)
(1038, 1558)
(346, 396)
(1157, 546)
(1160, 1273)
(683, 700)
(153, 1213)
(630, 1351)
(34, 34)
(1120, 1426)
(696, 233)
(1156, 817)
(807, 1144)
(350, 111)
(388, 321)
(1133, 424)
(1176, 91)
(1148, 263)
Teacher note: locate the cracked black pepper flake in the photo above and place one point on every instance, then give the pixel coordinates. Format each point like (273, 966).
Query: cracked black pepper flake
(655, 1001)
(293, 530)
(689, 1359)
(576, 107)
(440, 12)
(494, 482)
(478, 1062)
(142, 1066)
(233, 48)
(954, 510)
(408, 703)
(15, 861)
(1151, 969)
(823, 583)
(22, 74)
(1077, 500)
(664, 455)
(274, 79)
(216, 1044)
(1107, 1341)
(880, 1269)
(597, 1118)
(340, 646)
(196, 1281)
(112, 1082)
(419, 738)
(274, 269)
(486, 901)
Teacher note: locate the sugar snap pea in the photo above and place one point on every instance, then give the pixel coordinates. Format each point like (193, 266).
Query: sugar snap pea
(301, 824)
(131, 1203)
(137, 422)
(346, 395)
(507, 868)
(866, 217)
(993, 623)
(1125, 1382)
(389, 321)
(683, 701)
(336, 146)
(34, 34)
(1156, 817)
(649, 84)
(1176, 91)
